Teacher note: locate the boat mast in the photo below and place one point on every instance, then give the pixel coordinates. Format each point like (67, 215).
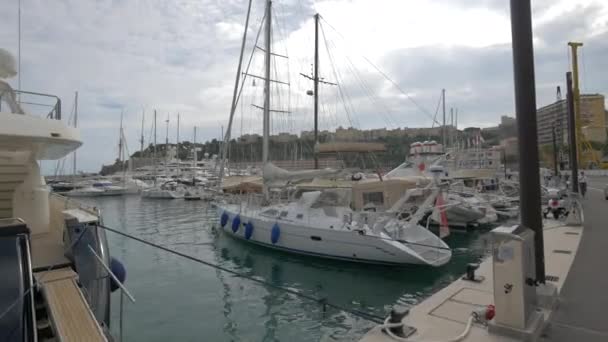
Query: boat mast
(120, 146)
(75, 126)
(267, 57)
(177, 145)
(154, 152)
(443, 128)
(194, 158)
(19, 50)
(167, 144)
(141, 139)
(316, 91)
(224, 151)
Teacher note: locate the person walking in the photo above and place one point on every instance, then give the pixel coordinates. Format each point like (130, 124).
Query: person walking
(582, 183)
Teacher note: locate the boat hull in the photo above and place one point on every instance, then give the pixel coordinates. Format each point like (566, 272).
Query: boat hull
(337, 244)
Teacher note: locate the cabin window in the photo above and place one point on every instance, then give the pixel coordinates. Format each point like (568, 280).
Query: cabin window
(284, 214)
(373, 197)
(300, 216)
(271, 212)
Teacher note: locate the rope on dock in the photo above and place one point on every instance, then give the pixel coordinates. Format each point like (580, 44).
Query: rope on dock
(322, 301)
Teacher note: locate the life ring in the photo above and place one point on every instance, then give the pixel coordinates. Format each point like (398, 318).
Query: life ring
(224, 219)
(357, 176)
(275, 233)
(248, 230)
(236, 223)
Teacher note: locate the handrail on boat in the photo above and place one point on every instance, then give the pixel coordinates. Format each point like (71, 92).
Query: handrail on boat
(55, 106)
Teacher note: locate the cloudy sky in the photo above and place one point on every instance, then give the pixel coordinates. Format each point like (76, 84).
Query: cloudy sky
(181, 56)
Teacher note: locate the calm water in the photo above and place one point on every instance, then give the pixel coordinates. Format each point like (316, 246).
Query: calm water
(181, 300)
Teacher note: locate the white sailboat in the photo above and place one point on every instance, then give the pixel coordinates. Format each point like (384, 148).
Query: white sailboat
(322, 224)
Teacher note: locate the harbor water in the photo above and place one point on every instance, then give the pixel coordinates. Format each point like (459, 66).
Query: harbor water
(181, 300)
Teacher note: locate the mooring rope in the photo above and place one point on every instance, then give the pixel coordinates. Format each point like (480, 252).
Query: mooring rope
(322, 301)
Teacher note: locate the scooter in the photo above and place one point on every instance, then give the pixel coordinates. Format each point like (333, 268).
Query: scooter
(557, 207)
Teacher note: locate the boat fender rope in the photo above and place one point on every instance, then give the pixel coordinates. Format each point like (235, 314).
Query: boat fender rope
(224, 219)
(275, 233)
(387, 325)
(248, 230)
(236, 223)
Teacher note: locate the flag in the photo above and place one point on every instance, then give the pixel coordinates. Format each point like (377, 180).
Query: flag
(439, 215)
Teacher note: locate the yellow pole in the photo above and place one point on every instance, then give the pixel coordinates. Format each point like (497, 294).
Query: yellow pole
(576, 97)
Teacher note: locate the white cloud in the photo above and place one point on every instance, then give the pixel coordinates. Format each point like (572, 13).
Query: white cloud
(180, 56)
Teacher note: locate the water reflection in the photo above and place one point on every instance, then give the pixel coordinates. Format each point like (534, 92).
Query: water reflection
(183, 300)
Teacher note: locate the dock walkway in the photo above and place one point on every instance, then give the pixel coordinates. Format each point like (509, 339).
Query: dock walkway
(581, 315)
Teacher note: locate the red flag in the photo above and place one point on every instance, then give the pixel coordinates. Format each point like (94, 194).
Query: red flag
(444, 228)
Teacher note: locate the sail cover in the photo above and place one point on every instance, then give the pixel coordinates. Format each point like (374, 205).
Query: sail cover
(275, 174)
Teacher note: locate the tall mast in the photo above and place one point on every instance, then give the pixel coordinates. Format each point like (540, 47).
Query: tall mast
(19, 49)
(75, 125)
(120, 146)
(316, 90)
(154, 155)
(177, 145)
(141, 139)
(443, 127)
(226, 138)
(167, 143)
(194, 158)
(456, 125)
(267, 82)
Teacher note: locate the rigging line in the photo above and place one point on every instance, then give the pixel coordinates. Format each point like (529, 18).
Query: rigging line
(336, 72)
(436, 113)
(369, 92)
(238, 97)
(385, 76)
(323, 301)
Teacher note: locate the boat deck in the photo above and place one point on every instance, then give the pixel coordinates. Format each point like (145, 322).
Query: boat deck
(445, 314)
(71, 318)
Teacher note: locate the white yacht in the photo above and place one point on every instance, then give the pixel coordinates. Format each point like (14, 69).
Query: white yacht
(54, 256)
(322, 224)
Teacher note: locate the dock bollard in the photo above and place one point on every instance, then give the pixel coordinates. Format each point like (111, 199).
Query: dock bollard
(402, 330)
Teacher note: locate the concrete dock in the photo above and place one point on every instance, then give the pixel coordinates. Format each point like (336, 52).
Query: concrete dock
(581, 315)
(574, 257)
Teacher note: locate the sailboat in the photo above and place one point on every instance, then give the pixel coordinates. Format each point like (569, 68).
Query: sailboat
(166, 190)
(321, 223)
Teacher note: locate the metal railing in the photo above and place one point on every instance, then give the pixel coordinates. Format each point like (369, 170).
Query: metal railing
(35, 100)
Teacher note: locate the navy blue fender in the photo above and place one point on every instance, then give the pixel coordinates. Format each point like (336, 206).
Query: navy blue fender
(236, 223)
(248, 230)
(224, 219)
(275, 233)
(119, 271)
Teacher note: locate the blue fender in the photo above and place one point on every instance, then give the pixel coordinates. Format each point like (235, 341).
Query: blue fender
(248, 230)
(224, 219)
(236, 223)
(119, 271)
(275, 233)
